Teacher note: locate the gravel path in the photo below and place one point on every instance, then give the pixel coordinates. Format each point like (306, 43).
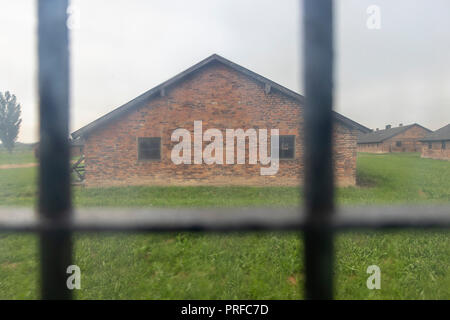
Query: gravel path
(15, 166)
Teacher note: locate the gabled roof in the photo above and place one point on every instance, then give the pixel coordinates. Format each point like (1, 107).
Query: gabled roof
(439, 135)
(381, 135)
(160, 89)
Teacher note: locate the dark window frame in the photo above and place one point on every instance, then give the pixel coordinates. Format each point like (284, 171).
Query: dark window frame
(140, 140)
(443, 145)
(284, 136)
(398, 144)
(430, 145)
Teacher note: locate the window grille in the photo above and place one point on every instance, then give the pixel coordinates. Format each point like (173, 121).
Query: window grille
(149, 148)
(287, 147)
(318, 218)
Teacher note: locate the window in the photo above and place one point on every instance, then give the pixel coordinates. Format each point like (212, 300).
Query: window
(443, 145)
(287, 144)
(430, 145)
(149, 148)
(398, 143)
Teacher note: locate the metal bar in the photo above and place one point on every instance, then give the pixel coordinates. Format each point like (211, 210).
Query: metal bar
(54, 153)
(222, 219)
(318, 78)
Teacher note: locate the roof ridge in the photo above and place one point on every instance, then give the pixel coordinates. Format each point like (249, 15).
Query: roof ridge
(440, 134)
(178, 77)
(384, 134)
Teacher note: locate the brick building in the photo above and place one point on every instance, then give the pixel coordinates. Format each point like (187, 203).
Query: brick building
(132, 145)
(436, 145)
(398, 139)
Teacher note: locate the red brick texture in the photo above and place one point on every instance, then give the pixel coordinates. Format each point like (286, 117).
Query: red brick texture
(436, 151)
(410, 142)
(222, 98)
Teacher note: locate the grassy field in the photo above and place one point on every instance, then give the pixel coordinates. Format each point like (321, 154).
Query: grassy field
(20, 154)
(414, 264)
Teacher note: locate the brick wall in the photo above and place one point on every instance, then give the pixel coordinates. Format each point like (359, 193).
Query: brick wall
(222, 98)
(436, 151)
(373, 147)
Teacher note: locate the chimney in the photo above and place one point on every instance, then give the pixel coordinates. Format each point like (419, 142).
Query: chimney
(400, 125)
(378, 129)
(388, 126)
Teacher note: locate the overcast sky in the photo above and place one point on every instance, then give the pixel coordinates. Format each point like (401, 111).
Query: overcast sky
(399, 73)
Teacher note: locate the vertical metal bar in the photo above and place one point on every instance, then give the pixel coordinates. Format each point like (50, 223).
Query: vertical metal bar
(54, 153)
(318, 80)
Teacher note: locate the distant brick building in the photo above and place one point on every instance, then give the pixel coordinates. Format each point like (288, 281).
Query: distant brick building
(436, 145)
(398, 139)
(132, 144)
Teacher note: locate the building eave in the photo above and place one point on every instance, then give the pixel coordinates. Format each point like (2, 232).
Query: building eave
(160, 90)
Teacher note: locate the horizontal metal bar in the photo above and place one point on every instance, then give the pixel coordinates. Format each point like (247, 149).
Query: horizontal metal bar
(225, 219)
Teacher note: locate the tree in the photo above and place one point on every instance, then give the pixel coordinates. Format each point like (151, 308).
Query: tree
(9, 120)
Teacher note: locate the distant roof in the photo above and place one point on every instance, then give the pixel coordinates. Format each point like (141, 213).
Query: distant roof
(381, 135)
(156, 91)
(439, 135)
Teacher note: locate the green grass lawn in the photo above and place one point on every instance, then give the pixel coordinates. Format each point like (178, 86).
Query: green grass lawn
(414, 264)
(20, 154)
